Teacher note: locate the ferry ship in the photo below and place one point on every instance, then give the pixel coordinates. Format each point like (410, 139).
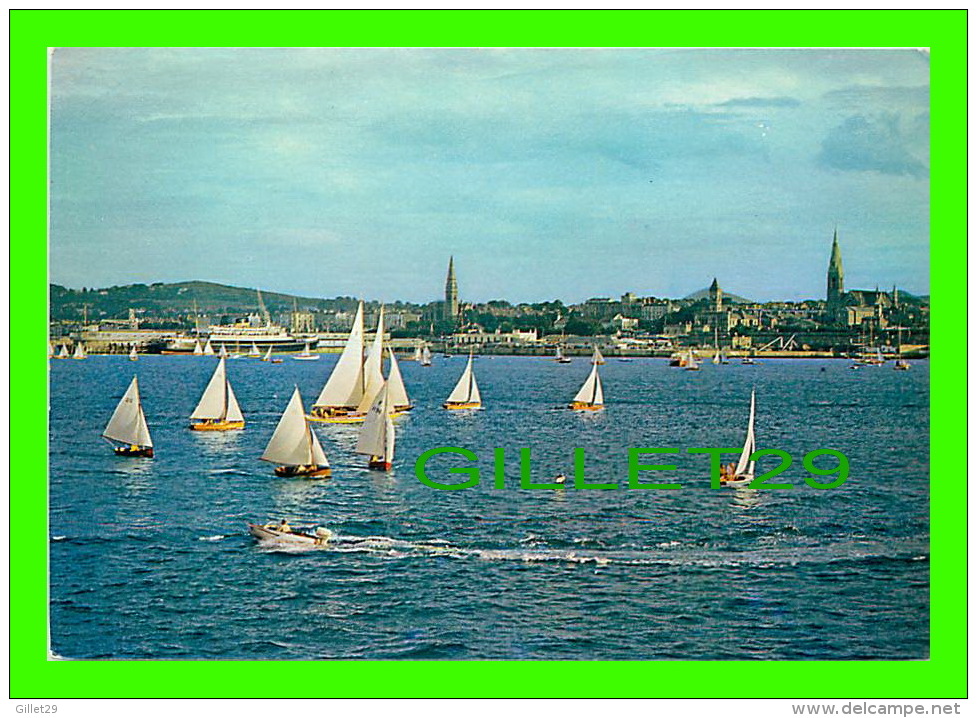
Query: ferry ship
(239, 337)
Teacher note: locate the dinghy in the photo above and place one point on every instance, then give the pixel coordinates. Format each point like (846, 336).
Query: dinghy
(294, 446)
(218, 409)
(425, 356)
(597, 358)
(255, 352)
(376, 438)
(269, 358)
(133, 356)
(691, 362)
(197, 349)
(743, 473)
(560, 358)
(128, 426)
(398, 392)
(209, 349)
(465, 395)
(591, 394)
(306, 355)
(269, 534)
(64, 353)
(80, 352)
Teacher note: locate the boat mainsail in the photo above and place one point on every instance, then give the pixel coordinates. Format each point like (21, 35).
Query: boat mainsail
(208, 348)
(133, 355)
(425, 356)
(344, 388)
(376, 438)
(255, 352)
(80, 352)
(465, 395)
(744, 471)
(218, 409)
(398, 392)
(591, 394)
(64, 353)
(294, 446)
(128, 425)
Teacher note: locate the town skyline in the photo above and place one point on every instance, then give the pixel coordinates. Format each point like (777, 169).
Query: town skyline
(556, 173)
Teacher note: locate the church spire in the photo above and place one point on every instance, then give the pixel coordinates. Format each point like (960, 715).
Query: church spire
(836, 274)
(451, 292)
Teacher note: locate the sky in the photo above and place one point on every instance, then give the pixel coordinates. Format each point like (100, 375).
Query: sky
(547, 173)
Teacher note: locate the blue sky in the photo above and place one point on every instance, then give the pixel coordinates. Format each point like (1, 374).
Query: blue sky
(549, 173)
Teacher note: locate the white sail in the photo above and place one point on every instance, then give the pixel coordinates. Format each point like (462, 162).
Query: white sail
(64, 354)
(132, 353)
(294, 443)
(223, 351)
(267, 355)
(716, 358)
(197, 349)
(559, 353)
(305, 351)
(598, 358)
(418, 355)
(377, 433)
(255, 352)
(345, 385)
(426, 356)
(373, 369)
(50, 350)
(80, 351)
(744, 467)
(591, 392)
(218, 401)
(128, 423)
(691, 361)
(466, 390)
(208, 349)
(398, 392)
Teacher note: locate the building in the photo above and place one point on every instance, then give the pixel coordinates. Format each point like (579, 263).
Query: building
(451, 293)
(836, 277)
(715, 296)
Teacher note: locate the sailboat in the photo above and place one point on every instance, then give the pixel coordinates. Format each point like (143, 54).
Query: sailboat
(560, 358)
(269, 358)
(901, 364)
(465, 395)
(597, 358)
(255, 352)
(724, 358)
(197, 349)
(294, 446)
(218, 409)
(306, 355)
(743, 473)
(377, 438)
(691, 362)
(425, 356)
(223, 351)
(591, 394)
(64, 353)
(50, 350)
(208, 349)
(418, 354)
(133, 355)
(355, 382)
(80, 352)
(398, 392)
(128, 425)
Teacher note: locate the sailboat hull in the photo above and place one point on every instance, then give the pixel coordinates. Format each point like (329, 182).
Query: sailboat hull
(311, 472)
(144, 451)
(217, 425)
(738, 482)
(379, 465)
(460, 405)
(583, 406)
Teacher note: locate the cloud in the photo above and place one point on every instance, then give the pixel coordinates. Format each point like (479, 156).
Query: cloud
(761, 102)
(874, 143)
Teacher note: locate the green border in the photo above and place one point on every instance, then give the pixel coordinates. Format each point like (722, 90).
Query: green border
(945, 32)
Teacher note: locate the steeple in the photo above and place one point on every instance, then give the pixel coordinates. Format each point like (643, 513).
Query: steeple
(836, 274)
(451, 292)
(716, 295)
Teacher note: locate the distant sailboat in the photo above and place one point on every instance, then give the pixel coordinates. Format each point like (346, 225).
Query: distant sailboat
(255, 352)
(717, 358)
(591, 394)
(128, 425)
(465, 395)
(294, 445)
(64, 353)
(597, 358)
(743, 473)
(691, 362)
(425, 356)
(80, 352)
(50, 350)
(133, 355)
(269, 358)
(344, 389)
(306, 355)
(218, 409)
(560, 358)
(197, 349)
(208, 349)
(223, 351)
(398, 392)
(418, 355)
(373, 380)
(377, 437)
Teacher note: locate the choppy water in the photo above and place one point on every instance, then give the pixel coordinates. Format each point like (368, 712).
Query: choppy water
(150, 557)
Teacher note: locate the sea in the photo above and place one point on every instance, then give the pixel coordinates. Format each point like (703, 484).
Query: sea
(151, 558)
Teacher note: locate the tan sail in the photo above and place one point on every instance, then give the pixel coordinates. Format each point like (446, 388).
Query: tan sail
(373, 379)
(591, 394)
(294, 443)
(128, 424)
(344, 389)
(465, 395)
(398, 392)
(376, 438)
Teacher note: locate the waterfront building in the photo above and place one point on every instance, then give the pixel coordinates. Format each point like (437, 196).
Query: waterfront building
(451, 293)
